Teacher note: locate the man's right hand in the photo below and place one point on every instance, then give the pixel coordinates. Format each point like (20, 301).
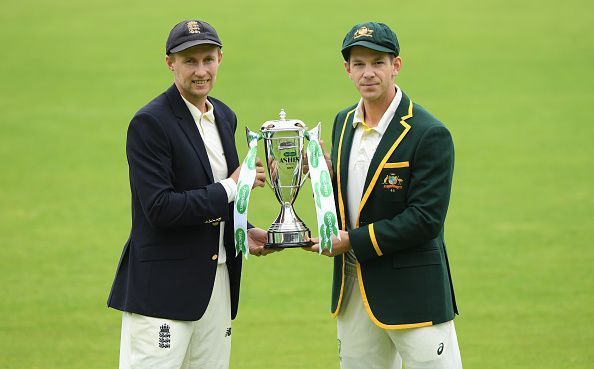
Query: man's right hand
(260, 174)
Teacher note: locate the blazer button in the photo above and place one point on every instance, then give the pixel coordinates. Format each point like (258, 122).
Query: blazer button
(215, 257)
(214, 224)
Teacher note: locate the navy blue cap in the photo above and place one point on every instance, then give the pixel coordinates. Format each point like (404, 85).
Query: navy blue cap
(191, 33)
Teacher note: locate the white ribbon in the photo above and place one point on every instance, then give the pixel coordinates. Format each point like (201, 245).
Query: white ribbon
(247, 176)
(321, 184)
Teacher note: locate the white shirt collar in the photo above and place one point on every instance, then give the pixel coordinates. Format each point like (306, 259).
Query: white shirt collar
(386, 118)
(197, 114)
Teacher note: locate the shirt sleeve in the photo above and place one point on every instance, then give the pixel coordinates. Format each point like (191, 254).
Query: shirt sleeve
(231, 188)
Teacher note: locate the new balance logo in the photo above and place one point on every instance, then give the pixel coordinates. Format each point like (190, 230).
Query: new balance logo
(164, 337)
(228, 332)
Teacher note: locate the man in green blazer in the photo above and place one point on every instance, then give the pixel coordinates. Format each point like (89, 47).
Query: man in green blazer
(393, 162)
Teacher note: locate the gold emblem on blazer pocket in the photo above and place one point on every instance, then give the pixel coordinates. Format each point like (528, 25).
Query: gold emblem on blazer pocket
(393, 180)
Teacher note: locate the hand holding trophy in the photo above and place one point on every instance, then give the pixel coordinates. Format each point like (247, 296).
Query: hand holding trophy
(284, 145)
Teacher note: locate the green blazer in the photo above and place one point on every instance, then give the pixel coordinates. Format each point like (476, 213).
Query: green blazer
(402, 267)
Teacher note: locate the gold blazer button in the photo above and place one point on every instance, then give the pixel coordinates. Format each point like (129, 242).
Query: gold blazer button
(215, 257)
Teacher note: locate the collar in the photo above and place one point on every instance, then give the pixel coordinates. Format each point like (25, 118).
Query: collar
(386, 118)
(197, 114)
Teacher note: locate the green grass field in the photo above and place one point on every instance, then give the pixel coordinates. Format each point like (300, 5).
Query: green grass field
(511, 79)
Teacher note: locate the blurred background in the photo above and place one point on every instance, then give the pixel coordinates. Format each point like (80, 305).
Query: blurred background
(512, 80)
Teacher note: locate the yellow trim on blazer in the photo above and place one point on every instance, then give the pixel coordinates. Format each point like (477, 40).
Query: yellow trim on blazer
(370, 313)
(340, 202)
(366, 195)
(385, 159)
(374, 240)
(399, 164)
(335, 313)
(341, 210)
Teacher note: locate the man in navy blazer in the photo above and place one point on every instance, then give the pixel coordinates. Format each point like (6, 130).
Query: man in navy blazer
(178, 278)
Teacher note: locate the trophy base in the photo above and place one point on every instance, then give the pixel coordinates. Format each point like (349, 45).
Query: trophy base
(285, 240)
(287, 245)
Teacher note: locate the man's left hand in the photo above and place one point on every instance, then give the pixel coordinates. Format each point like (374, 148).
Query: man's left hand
(339, 247)
(257, 238)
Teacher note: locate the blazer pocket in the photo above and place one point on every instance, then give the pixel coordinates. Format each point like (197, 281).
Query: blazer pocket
(392, 185)
(154, 253)
(397, 164)
(413, 259)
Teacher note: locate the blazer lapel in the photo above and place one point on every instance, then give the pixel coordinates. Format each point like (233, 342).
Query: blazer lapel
(344, 152)
(189, 127)
(394, 130)
(397, 130)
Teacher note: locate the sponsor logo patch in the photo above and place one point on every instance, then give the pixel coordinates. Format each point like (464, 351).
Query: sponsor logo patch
(440, 349)
(164, 337)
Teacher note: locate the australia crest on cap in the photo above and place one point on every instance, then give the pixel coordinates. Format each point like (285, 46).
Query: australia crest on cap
(363, 32)
(193, 27)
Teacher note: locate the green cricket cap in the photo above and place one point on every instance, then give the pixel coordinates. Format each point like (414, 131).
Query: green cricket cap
(372, 35)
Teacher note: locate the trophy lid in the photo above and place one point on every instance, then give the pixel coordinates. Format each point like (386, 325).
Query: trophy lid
(283, 124)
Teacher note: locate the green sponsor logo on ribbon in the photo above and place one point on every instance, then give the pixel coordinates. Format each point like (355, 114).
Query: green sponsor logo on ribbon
(314, 153)
(239, 239)
(317, 195)
(325, 184)
(325, 237)
(251, 158)
(242, 197)
(331, 223)
(244, 187)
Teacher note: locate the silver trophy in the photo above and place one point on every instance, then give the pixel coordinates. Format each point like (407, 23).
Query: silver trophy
(284, 148)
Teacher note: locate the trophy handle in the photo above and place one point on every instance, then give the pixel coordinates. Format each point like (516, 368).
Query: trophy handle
(305, 176)
(249, 133)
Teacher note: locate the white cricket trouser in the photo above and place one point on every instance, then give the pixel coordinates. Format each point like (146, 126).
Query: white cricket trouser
(157, 343)
(364, 345)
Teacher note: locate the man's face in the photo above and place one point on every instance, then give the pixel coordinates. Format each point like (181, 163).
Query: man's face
(195, 70)
(372, 72)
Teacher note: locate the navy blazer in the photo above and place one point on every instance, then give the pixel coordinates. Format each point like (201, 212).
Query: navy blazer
(168, 265)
